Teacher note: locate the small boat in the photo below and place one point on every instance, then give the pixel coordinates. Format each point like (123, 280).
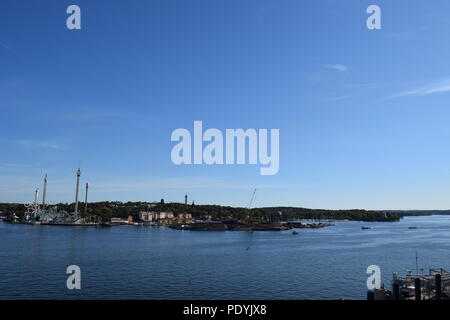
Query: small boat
(104, 224)
(412, 227)
(366, 228)
(295, 232)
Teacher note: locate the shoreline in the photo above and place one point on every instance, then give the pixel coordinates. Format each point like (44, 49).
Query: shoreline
(200, 226)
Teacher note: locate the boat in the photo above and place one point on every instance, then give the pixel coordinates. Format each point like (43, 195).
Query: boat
(295, 232)
(366, 228)
(103, 225)
(432, 286)
(412, 227)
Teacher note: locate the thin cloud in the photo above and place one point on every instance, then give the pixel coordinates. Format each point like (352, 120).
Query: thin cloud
(360, 85)
(402, 36)
(337, 67)
(440, 87)
(6, 47)
(338, 98)
(184, 183)
(19, 188)
(38, 144)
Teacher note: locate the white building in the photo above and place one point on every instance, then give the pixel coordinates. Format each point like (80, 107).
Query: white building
(146, 216)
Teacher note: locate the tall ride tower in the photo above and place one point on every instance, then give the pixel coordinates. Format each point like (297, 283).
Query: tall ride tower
(185, 199)
(36, 206)
(85, 199)
(36, 196)
(44, 193)
(76, 194)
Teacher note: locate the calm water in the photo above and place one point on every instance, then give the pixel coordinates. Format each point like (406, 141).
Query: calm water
(160, 263)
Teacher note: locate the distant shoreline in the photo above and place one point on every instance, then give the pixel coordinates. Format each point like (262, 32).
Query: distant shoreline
(117, 209)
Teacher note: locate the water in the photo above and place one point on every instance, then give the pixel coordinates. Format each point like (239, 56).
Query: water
(160, 263)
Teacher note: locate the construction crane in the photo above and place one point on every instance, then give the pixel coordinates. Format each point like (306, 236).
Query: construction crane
(251, 200)
(249, 206)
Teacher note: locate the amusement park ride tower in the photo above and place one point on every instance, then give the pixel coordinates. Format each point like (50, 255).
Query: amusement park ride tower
(76, 194)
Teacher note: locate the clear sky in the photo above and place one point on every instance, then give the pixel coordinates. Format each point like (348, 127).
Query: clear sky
(363, 114)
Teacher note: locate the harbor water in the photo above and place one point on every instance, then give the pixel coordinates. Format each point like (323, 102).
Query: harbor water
(133, 262)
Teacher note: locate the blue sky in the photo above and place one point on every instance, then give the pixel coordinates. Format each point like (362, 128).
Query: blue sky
(363, 114)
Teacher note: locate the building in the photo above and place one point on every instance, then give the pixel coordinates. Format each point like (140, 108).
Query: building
(146, 216)
(168, 215)
(165, 215)
(161, 217)
(184, 217)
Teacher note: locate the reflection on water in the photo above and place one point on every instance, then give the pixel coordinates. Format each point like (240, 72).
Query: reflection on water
(160, 263)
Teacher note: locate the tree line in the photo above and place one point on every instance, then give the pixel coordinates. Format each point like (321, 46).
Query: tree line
(107, 209)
